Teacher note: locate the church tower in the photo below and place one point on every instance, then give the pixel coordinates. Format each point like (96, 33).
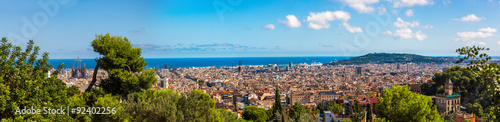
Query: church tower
(448, 87)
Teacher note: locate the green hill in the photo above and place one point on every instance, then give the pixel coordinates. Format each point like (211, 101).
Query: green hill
(381, 58)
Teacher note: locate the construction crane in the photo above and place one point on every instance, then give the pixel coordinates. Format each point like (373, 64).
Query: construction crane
(78, 61)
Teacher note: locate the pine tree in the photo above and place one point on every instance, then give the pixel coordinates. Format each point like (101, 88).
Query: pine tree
(124, 65)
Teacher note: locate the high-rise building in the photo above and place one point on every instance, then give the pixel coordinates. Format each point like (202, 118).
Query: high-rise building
(278, 66)
(166, 66)
(398, 66)
(358, 70)
(290, 64)
(239, 67)
(407, 67)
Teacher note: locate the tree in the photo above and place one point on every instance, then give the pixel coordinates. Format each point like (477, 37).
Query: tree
(475, 108)
(255, 113)
(399, 104)
(451, 117)
(369, 113)
(116, 112)
(464, 83)
(73, 90)
(296, 110)
(197, 106)
(324, 117)
(24, 81)
(344, 120)
(124, 65)
(320, 107)
(277, 108)
(489, 75)
(335, 107)
(357, 114)
(229, 116)
(277, 117)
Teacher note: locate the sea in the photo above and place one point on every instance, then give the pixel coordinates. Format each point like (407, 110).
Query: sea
(207, 62)
(217, 62)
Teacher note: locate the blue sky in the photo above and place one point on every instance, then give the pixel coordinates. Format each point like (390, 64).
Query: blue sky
(255, 28)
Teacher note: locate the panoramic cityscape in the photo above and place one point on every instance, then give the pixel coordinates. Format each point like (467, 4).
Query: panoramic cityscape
(260, 61)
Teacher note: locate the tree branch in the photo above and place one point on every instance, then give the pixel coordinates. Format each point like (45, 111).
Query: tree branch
(96, 69)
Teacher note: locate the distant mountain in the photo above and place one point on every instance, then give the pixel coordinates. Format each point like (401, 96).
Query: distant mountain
(381, 58)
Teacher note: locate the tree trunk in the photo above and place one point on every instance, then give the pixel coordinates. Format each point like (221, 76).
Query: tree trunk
(94, 79)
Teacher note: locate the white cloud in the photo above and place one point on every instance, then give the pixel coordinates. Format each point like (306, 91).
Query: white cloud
(411, 3)
(402, 24)
(481, 43)
(387, 33)
(352, 29)
(482, 33)
(361, 5)
(291, 21)
(409, 13)
(269, 26)
(498, 41)
(407, 33)
(469, 18)
(488, 30)
(321, 20)
(427, 26)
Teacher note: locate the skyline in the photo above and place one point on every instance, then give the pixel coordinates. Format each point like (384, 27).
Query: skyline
(188, 28)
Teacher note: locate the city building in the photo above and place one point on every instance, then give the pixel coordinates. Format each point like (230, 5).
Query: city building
(448, 102)
(359, 70)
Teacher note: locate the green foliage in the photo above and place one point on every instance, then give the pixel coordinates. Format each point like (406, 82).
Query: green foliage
(73, 90)
(152, 105)
(113, 104)
(475, 108)
(24, 82)
(390, 58)
(78, 101)
(464, 82)
(467, 120)
(306, 117)
(277, 108)
(489, 75)
(335, 108)
(399, 104)
(450, 117)
(472, 54)
(344, 120)
(357, 115)
(197, 106)
(118, 53)
(255, 114)
(369, 113)
(228, 116)
(297, 110)
(324, 118)
(277, 117)
(124, 65)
